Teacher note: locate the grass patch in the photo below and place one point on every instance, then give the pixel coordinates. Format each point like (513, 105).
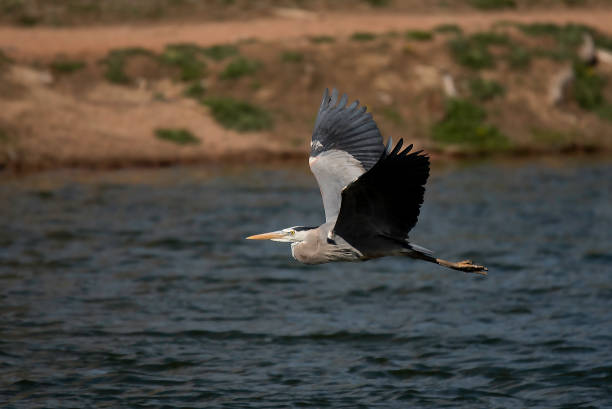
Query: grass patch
(377, 3)
(473, 51)
(418, 35)
(65, 66)
(604, 111)
(493, 4)
(568, 38)
(483, 90)
(322, 39)
(464, 124)
(220, 51)
(550, 137)
(519, 57)
(588, 87)
(185, 57)
(28, 20)
(292, 56)
(448, 29)
(363, 36)
(177, 136)
(195, 91)
(490, 38)
(471, 54)
(238, 115)
(240, 67)
(115, 63)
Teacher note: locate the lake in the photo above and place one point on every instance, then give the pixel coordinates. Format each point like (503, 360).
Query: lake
(136, 288)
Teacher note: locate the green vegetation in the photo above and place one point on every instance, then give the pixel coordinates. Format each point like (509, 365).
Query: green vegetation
(550, 137)
(177, 136)
(363, 36)
(377, 3)
(483, 90)
(239, 67)
(519, 57)
(238, 115)
(185, 57)
(28, 20)
(464, 125)
(588, 87)
(448, 29)
(220, 52)
(66, 66)
(195, 91)
(115, 63)
(471, 54)
(568, 38)
(322, 39)
(473, 51)
(419, 35)
(487, 38)
(493, 4)
(292, 56)
(604, 111)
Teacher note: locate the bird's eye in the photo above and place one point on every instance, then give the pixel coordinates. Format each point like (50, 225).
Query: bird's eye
(293, 232)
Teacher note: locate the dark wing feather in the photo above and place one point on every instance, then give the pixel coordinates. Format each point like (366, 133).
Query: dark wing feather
(346, 128)
(345, 144)
(385, 201)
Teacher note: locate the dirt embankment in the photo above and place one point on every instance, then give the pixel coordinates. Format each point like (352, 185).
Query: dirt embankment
(55, 116)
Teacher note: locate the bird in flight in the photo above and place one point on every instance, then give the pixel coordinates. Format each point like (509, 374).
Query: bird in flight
(372, 193)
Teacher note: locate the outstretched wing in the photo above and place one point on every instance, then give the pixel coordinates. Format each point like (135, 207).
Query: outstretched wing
(386, 200)
(345, 144)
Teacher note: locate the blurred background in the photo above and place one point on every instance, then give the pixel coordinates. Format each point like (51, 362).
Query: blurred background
(141, 141)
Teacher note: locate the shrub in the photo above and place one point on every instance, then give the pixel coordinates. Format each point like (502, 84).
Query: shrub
(588, 87)
(239, 67)
(177, 136)
(322, 39)
(363, 36)
(185, 57)
(463, 124)
(471, 54)
(220, 52)
(195, 91)
(448, 28)
(419, 35)
(493, 4)
(292, 56)
(605, 111)
(519, 57)
(66, 66)
(377, 3)
(238, 115)
(484, 90)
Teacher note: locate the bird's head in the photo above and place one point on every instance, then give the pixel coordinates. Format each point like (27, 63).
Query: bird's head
(293, 234)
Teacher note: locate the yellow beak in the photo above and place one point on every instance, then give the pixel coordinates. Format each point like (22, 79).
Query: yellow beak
(267, 236)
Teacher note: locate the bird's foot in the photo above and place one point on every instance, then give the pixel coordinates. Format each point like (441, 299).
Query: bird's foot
(468, 266)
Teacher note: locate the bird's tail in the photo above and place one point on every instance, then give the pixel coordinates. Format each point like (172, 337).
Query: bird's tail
(416, 251)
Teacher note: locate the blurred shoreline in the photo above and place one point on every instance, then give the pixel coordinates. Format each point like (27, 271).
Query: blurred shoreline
(165, 93)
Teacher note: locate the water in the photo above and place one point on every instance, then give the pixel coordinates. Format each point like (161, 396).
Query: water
(137, 289)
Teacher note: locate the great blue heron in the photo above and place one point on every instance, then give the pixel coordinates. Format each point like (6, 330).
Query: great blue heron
(372, 194)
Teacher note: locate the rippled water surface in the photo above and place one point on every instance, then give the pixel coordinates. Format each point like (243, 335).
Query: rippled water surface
(137, 289)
